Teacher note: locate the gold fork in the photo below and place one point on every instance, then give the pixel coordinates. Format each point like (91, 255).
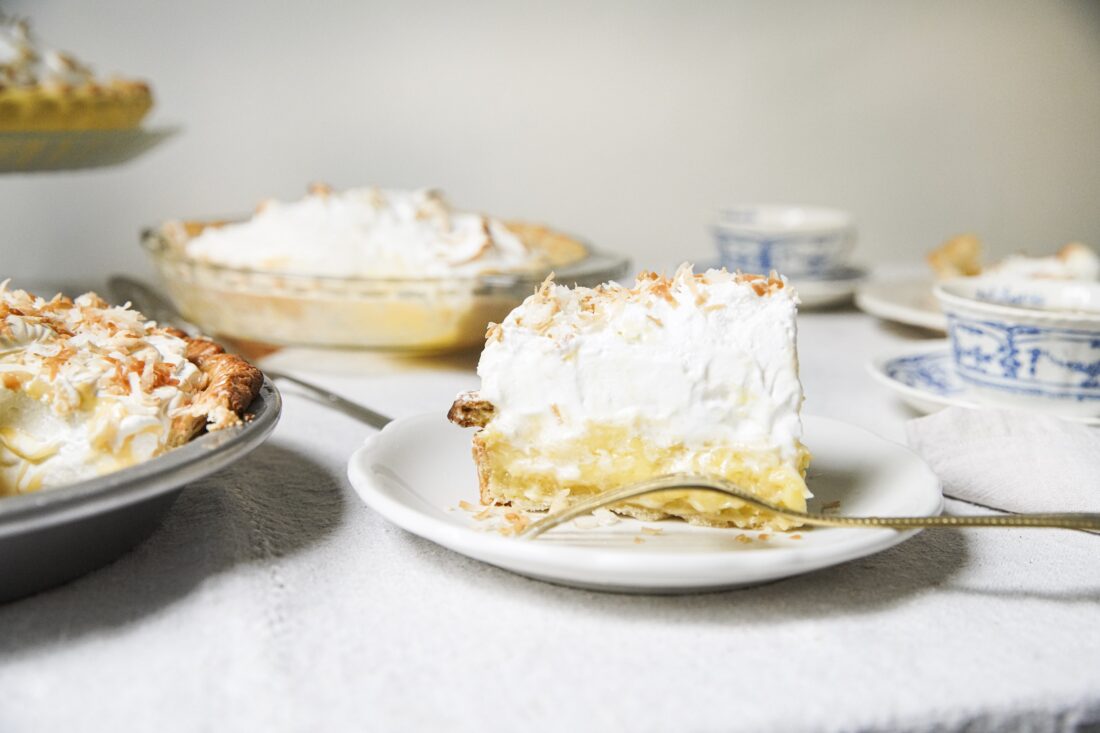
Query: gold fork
(719, 486)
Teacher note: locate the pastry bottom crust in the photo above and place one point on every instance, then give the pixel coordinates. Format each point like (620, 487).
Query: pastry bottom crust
(608, 457)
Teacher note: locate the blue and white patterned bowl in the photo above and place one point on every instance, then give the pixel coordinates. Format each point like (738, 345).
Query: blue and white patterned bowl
(796, 241)
(1026, 343)
(924, 377)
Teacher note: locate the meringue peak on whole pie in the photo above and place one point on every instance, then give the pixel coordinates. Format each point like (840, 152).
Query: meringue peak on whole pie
(374, 232)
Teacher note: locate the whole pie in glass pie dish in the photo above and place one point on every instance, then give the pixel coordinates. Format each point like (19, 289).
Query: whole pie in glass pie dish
(42, 89)
(87, 389)
(366, 267)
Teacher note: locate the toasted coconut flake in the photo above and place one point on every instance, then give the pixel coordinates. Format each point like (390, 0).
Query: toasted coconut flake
(517, 521)
(546, 288)
(744, 539)
(559, 503)
(652, 531)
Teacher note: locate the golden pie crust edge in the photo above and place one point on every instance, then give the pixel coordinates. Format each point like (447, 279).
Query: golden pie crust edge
(119, 104)
(232, 384)
(470, 411)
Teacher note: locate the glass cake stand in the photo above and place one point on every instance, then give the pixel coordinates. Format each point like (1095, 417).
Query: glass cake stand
(64, 150)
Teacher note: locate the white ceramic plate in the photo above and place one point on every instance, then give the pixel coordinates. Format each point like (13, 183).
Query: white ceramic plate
(924, 378)
(826, 292)
(903, 301)
(417, 470)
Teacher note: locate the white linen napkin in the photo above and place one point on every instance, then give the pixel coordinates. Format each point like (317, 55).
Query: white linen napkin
(1015, 461)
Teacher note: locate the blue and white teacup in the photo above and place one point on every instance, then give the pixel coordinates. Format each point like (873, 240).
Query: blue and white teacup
(808, 242)
(1032, 344)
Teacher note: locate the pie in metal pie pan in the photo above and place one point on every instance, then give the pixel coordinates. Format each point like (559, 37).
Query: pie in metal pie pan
(54, 535)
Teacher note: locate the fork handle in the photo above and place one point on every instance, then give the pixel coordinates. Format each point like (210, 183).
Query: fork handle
(1061, 521)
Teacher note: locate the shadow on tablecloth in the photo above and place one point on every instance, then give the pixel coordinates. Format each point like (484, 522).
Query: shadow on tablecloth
(274, 503)
(925, 564)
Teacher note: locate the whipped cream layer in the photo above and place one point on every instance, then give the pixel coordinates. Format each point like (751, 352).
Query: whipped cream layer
(365, 232)
(85, 389)
(25, 62)
(692, 360)
(1075, 261)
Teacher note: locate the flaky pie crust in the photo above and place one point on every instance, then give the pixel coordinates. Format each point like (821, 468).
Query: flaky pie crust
(232, 384)
(116, 105)
(470, 411)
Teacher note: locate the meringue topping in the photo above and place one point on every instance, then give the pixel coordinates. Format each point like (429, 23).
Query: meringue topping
(687, 360)
(365, 232)
(86, 388)
(1075, 261)
(26, 62)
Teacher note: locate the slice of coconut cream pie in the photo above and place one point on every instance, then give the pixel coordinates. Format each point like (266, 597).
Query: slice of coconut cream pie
(584, 390)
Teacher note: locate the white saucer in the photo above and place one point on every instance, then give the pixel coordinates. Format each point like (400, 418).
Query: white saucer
(417, 470)
(903, 301)
(836, 289)
(924, 378)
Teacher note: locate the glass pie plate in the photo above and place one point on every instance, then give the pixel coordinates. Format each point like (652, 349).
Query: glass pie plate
(416, 314)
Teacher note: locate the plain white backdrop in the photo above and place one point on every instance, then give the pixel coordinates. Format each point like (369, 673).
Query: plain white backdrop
(624, 122)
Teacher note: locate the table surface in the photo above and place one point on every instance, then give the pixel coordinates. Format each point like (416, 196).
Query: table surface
(272, 598)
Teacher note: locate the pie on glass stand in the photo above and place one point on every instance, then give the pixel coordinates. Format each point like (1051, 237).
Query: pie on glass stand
(47, 90)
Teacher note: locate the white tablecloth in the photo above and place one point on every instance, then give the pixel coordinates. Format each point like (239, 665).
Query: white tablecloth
(272, 599)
